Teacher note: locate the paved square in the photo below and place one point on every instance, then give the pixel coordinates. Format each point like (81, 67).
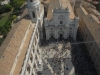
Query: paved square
(56, 60)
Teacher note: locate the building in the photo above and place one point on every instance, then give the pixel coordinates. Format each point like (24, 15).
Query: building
(89, 30)
(60, 22)
(36, 11)
(5, 2)
(20, 53)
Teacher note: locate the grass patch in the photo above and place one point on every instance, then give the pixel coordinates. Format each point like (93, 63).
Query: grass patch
(4, 19)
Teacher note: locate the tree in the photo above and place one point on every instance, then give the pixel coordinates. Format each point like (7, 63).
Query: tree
(8, 7)
(5, 8)
(14, 17)
(3, 31)
(7, 26)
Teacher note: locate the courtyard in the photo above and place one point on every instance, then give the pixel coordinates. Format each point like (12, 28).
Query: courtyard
(56, 58)
(65, 58)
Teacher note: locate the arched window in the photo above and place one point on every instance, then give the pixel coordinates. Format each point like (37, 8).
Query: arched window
(28, 68)
(33, 14)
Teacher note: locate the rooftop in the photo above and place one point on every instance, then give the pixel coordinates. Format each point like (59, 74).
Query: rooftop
(92, 23)
(45, 1)
(23, 52)
(56, 4)
(11, 45)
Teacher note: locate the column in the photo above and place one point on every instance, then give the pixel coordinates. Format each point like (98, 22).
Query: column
(41, 34)
(74, 33)
(65, 33)
(47, 34)
(56, 33)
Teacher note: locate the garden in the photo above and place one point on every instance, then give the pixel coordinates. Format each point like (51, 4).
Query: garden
(8, 13)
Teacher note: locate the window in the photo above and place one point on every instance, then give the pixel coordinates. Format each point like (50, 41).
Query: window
(36, 57)
(31, 0)
(31, 58)
(70, 28)
(33, 14)
(28, 68)
(61, 29)
(51, 28)
(61, 22)
(38, 51)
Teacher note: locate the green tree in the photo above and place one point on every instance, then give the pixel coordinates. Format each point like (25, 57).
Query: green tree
(5, 8)
(8, 7)
(3, 31)
(7, 26)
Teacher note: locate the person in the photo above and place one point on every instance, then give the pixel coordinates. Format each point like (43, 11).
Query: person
(66, 66)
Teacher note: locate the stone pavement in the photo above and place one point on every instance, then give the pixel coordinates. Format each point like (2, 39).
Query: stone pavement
(55, 58)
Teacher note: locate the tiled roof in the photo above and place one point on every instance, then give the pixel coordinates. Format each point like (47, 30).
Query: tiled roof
(56, 4)
(45, 1)
(11, 45)
(24, 51)
(92, 23)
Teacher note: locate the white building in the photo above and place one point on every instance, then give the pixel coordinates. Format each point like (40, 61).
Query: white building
(5, 2)
(61, 22)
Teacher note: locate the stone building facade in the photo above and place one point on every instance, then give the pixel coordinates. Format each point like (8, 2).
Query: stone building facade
(59, 24)
(89, 30)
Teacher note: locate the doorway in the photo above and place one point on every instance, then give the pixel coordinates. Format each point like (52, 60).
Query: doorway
(60, 37)
(69, 36)
(52, 36)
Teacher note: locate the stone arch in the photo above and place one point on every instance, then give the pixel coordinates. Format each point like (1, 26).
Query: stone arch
(70, 35)
(28, 68)
(51, 35)
(60, 34)
(33, 14)
(31, 58)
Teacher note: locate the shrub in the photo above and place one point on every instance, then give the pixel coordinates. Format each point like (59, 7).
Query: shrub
(5, 8)
(14, 17)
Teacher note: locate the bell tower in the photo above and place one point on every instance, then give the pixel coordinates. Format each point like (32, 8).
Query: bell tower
(33, 8)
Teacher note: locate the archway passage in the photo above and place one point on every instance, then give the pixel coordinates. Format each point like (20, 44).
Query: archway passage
(60, 37)
(51, 36)
(69, 36)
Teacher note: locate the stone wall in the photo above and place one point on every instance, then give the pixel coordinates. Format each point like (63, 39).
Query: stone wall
(89, 26)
